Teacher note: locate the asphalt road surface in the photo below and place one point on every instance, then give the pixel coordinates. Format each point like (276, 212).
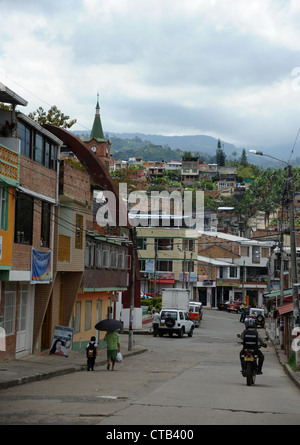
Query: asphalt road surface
(178, 381)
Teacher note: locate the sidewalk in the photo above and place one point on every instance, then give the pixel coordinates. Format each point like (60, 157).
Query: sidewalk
(44, 366)
(294, 376)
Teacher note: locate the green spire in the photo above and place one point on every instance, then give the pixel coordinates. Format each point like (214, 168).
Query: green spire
(97, 132)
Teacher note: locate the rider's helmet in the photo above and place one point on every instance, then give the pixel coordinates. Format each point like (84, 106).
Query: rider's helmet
(250, 323)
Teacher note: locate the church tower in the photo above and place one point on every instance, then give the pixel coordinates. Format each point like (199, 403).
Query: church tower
(99, 145)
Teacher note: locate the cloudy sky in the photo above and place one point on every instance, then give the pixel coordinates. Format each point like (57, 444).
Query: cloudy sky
(224, 68)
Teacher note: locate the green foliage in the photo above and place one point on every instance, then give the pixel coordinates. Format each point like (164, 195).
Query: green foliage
(54, 116)
(220, 155)
(149, 302)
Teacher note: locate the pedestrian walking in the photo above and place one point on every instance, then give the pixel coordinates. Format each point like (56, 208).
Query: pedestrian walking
(91, 353)
(113, 347)
(155, 322)
(242, 313)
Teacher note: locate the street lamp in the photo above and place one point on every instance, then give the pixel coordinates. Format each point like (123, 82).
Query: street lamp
(294, 271)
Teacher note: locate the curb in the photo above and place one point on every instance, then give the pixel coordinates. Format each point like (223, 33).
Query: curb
(294, 376)
(58, 372)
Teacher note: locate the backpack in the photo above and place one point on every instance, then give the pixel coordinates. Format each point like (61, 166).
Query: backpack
(91, 350)
(250, 338)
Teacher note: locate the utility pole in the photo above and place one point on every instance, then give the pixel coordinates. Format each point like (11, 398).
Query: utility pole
(294, 266)
(130, 333)
(155, 271)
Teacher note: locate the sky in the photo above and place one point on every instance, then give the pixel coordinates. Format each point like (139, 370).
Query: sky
(223, 68)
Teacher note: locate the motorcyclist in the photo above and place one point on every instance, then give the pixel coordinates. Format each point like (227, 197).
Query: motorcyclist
(251, 340)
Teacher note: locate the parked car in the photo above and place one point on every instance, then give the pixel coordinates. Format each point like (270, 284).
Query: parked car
(175, 321)
(234, 306)
(150, 295)
(259, 315)
(223, 306)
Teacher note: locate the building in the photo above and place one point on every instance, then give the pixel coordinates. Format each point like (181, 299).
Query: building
(31, 201)
(232, 267)
(190, 170)
(174, 253)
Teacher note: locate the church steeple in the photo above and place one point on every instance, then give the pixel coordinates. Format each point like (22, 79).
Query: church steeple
(97, 131)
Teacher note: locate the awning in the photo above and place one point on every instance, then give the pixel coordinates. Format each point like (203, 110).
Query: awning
(163, 281)
(286, 292)
(285, 308)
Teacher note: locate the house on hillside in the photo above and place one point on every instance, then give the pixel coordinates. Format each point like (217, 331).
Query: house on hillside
(232, 267)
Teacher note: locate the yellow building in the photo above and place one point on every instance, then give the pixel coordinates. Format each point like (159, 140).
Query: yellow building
(9, 179)
(175, 252)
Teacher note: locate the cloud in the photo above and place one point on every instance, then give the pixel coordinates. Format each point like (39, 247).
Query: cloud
(227, 69)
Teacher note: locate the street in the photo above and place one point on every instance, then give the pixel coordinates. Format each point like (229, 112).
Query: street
(178, 381)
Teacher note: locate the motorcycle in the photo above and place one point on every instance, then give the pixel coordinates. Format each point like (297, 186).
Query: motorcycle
(249, 365)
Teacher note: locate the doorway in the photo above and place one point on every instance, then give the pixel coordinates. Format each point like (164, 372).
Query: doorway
(46, 327)
(24, 324)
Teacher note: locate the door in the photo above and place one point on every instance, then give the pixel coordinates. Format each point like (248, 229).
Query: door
(46, 327)
(23, 318)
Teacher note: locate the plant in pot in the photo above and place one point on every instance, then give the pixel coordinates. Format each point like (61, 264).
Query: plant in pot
(7, 129)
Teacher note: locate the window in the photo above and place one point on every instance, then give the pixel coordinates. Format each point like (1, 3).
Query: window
(38, 148)
(9, 318)
(45, 224)
(142, 265)
(188, 244)
(64, 248)
(90, 257)
(43, 151)
(88, 316)
(265, 252)
(53, 157)
(106, 256)
(244, 251)
(3, 208)
(24, 219)
(77, 317)
(232, 272)
(24, 134)
(255, 254)
(164, 243)
(141, 243)
(121, 259)
(87, 254)
(47, 154)
(79, 231)
(99, 255)
(164, 266)
(114, 258)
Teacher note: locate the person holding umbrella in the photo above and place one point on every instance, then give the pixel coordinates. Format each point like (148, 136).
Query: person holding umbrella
(112, 338)
(113, 347)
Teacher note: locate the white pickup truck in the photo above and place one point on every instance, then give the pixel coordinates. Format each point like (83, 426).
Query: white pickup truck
(175, 321)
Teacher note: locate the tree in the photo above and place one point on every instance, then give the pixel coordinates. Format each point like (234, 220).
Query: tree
(220, 155)
(54, 116)
(243, 160)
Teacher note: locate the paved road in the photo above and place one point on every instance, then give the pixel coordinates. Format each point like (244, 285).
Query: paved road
(188, 381)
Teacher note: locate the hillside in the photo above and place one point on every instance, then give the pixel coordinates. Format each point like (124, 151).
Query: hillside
(167, 148)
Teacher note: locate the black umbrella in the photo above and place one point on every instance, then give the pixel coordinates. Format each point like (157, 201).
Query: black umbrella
(109, 325)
